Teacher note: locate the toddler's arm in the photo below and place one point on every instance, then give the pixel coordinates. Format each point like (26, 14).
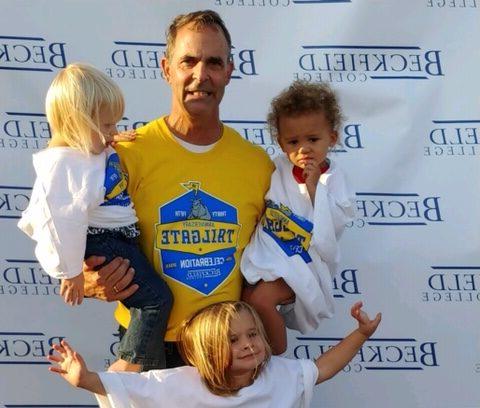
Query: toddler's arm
(72, 290)
(72, 368)
(331, 362)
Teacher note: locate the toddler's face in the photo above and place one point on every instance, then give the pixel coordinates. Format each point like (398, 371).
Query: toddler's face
(306, 138)
(108, 127)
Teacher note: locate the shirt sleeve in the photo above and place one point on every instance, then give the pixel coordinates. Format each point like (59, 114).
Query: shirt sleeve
(310, 375)
(57, 217)
(151, 389)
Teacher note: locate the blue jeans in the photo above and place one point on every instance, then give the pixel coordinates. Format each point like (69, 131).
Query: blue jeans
(150, 305)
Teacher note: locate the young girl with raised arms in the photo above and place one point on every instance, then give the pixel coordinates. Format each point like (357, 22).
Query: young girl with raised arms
(80, 207)
(231, 366)
(293, 255)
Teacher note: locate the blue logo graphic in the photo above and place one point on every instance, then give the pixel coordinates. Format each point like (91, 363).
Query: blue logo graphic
(256, 132)
(377, 354)
(115, 183)
(395, 209)
(24, 130)
(26, 348)
(452, 4)
(196, 238)
(290, 231)
(454, 138)
(272, 3)
(453, 284)
(22, 277)
(346, 283)
(13, 201)
(31, 54)
(141, 60)
(359, 63)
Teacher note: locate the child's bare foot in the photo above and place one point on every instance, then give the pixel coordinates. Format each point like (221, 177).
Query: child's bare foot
(122, 365)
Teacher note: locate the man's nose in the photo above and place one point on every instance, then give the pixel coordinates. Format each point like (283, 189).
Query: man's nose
(200, 72)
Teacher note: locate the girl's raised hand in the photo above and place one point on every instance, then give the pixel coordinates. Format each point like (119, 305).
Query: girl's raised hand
(69, 364)
(365, 326)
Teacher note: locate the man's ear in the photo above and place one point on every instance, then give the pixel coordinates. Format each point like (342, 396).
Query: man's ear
(230, 68)
(165, 63)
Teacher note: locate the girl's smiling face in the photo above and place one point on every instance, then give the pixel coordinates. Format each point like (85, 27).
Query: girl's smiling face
(247, 349)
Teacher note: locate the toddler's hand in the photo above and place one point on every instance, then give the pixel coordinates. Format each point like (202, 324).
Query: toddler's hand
(312, 172)
(126, 136)
(72, 290)
(365, 326)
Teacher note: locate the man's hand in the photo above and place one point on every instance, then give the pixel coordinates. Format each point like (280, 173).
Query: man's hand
(111, 282)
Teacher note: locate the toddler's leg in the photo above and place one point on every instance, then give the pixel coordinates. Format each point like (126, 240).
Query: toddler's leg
(264, 298)
(142, 347)
(150, 305)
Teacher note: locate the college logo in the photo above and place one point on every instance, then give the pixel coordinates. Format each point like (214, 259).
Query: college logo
(272, 3)
(127, 124)
(22, 277)
(345, 283)
(13, 201)
(453, 138)
(452, 3)
(377, 354)
(256, 132)
(26, 348)
(31, 54)
(196, 237)
(452, 284)
(291, 232)
(141, 60)
(395, 209)
(24, 130)
(360, 63)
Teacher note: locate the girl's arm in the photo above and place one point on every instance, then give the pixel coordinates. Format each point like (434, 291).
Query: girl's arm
(72, 368)
(331, 362)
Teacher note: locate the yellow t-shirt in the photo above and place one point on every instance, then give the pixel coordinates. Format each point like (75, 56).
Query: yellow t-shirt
(196, 213)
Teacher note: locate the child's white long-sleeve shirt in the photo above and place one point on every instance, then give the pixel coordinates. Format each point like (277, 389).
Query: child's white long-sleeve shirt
(73, 191)
(298, 241)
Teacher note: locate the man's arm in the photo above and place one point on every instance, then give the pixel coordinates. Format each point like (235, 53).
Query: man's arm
(111, 282)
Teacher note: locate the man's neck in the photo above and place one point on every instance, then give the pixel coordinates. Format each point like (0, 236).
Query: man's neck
(198, 131)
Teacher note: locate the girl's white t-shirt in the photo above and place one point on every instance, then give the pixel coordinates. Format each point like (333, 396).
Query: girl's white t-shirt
(283, 383)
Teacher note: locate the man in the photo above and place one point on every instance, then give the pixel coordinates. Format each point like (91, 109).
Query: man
(198, 187)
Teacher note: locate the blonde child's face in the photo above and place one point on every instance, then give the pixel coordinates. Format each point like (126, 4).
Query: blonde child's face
(306, 138)
(108, 128)
(247, 346)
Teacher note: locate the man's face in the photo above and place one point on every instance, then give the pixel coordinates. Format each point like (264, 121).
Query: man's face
(198, 70)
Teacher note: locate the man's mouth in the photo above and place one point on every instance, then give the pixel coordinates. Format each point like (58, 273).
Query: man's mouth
(199, 94)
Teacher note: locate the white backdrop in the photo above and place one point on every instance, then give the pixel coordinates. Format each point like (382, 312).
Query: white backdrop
(407, 76)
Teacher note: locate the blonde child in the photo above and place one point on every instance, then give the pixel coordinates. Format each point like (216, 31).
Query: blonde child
(80, 207)
(231, 366)
(293, 254)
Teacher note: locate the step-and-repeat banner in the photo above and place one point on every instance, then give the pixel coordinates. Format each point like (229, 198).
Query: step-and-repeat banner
(407, 74)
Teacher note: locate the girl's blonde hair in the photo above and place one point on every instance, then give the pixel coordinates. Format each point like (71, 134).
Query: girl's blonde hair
(204, 342)
(74, 100)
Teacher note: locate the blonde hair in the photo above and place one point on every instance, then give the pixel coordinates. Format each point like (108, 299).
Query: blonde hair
(200, 19)
(74, 100)
(204, 342)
